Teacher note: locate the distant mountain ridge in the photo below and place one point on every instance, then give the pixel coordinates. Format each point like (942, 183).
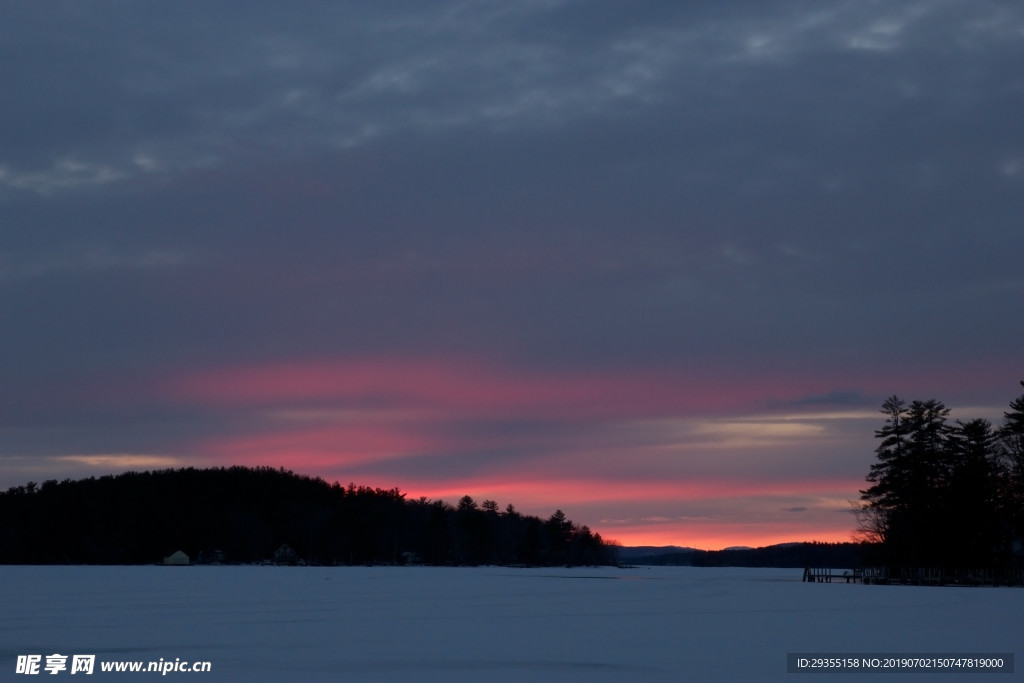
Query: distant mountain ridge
(638, 552)
(792, 554)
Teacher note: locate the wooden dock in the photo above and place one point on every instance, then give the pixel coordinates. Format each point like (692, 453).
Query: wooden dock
(825, 575)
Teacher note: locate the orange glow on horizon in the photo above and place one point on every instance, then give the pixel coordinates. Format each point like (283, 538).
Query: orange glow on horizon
(541, 498)
(713, 537)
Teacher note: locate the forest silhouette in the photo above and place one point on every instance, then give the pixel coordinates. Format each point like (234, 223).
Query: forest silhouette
(944, 494)
(252, 515)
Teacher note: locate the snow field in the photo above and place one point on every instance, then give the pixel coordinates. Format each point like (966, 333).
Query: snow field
(487, 623)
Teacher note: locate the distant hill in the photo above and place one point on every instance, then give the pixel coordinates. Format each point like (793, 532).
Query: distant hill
(635, 554)
(839, 555)
(245, 515)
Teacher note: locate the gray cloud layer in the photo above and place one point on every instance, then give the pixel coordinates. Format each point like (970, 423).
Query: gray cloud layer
(795, 186)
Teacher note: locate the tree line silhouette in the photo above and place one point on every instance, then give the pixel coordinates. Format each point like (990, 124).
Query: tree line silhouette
(245, 515)
(946, 494)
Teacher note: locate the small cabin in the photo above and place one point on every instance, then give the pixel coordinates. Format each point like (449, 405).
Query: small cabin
(177, 558)
(285, 555)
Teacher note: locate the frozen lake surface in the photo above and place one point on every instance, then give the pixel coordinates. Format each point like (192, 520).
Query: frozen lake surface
(486, 624)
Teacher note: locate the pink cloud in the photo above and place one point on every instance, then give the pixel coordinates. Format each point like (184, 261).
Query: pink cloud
(313, 448)
(470, 388)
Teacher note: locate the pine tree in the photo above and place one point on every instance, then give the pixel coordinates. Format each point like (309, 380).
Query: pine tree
(906, 499)
(974, 528)
(1011, 441)
(882, 500)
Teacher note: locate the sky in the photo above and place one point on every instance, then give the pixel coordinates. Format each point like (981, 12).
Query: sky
(654, 264)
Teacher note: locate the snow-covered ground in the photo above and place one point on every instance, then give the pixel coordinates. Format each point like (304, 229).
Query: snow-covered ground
(486, 624)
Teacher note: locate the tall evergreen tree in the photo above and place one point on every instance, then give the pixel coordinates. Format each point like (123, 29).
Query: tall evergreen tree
(974, 529)
(1011, 440)
(906, 498)
(883, 499)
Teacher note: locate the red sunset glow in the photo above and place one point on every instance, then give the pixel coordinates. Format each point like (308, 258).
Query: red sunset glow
(609, 449)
